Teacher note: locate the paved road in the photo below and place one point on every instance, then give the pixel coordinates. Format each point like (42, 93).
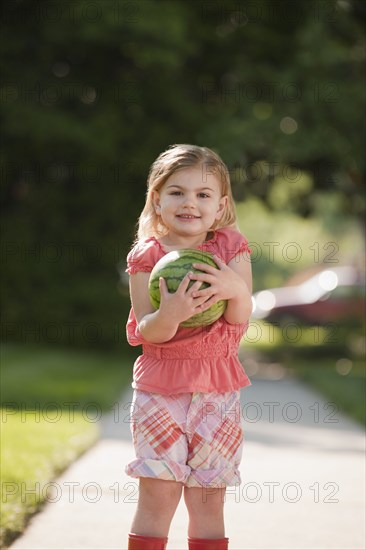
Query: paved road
(303, 480)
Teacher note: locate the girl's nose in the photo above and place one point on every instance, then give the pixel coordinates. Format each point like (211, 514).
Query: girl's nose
(188, 200)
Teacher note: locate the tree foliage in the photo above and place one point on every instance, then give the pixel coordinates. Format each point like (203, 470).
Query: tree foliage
(92, 92)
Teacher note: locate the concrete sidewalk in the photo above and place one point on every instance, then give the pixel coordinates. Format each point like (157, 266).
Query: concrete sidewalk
(303, 480)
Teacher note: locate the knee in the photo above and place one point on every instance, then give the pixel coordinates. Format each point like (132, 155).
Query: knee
(205, 502)
(158, 494)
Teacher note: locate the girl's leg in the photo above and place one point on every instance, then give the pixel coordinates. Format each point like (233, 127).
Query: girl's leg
(206, 512)
(158, 501)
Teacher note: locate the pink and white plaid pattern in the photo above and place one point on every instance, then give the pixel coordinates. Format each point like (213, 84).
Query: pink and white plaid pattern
(194, 438)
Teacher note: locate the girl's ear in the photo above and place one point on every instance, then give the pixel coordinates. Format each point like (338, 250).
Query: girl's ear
(222, 206)
(156, 201)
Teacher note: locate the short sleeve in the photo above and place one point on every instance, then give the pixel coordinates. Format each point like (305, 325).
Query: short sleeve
(142, 257)
(134, 337)
(230, 243)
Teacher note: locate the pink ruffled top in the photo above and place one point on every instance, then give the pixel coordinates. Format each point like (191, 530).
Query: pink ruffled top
(202, 359)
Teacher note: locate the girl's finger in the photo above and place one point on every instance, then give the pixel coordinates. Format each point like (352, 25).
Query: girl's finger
(206, 304)
(219, 261)
(196, 285)
(202, 293)
(185, 282)
(204, 267)
(203, 277)
(162, 286)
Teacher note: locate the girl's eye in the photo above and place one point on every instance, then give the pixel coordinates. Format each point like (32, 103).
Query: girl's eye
(200, 194)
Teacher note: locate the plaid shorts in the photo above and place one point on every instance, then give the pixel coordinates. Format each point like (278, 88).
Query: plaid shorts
(194, 438)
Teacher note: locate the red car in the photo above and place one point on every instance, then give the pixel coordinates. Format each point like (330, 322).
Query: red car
(331, 295)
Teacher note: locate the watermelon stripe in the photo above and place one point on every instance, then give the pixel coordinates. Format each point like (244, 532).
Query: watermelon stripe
(173, 268)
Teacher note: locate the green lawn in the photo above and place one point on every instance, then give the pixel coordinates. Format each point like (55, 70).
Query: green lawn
(51, 399)
(333, 365)
(33, 452)
(39, 376)
(346, 390)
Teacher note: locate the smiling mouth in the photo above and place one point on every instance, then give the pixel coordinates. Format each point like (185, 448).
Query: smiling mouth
(188, 217)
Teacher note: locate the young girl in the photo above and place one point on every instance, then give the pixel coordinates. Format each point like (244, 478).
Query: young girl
(186, 423)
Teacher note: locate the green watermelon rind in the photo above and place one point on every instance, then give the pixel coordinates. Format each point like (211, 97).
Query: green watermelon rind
(163, 269)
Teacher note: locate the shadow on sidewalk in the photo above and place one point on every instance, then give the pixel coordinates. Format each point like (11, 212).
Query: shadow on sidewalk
(274, 412)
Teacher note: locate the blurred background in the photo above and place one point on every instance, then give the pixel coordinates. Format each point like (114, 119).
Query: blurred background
(92, 92)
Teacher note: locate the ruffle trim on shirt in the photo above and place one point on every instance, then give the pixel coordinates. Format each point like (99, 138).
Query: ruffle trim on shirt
(134, 336)
(230, 244)
(143, 256)
(173, 376)
(225, 242)
(188, 342)
(132, 269)
(203, 245)
(226, 235)
(244, 247)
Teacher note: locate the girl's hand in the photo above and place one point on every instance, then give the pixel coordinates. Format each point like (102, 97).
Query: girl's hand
(225, 282)
(183, 303)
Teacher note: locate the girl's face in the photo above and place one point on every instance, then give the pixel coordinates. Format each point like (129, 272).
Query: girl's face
(190, 201)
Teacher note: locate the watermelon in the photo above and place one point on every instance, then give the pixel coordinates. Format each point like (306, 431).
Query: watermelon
(173, 267)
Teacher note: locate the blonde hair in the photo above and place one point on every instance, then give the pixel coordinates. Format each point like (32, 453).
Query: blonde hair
(178, 157)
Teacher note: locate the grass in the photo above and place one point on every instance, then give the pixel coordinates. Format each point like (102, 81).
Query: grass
(50, 400)
(330, 361)
(346, 390)
(48, 395)
(326, 237)
(33, 453)
(41, 376)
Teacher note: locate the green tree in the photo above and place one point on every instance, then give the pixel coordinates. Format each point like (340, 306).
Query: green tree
(92, 92)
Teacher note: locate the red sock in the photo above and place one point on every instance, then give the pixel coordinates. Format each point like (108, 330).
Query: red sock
(139, 542)
(208, 544)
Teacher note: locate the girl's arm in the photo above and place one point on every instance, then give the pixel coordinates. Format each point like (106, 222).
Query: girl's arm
(239, 308)
(160, 326)
(153, 325)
